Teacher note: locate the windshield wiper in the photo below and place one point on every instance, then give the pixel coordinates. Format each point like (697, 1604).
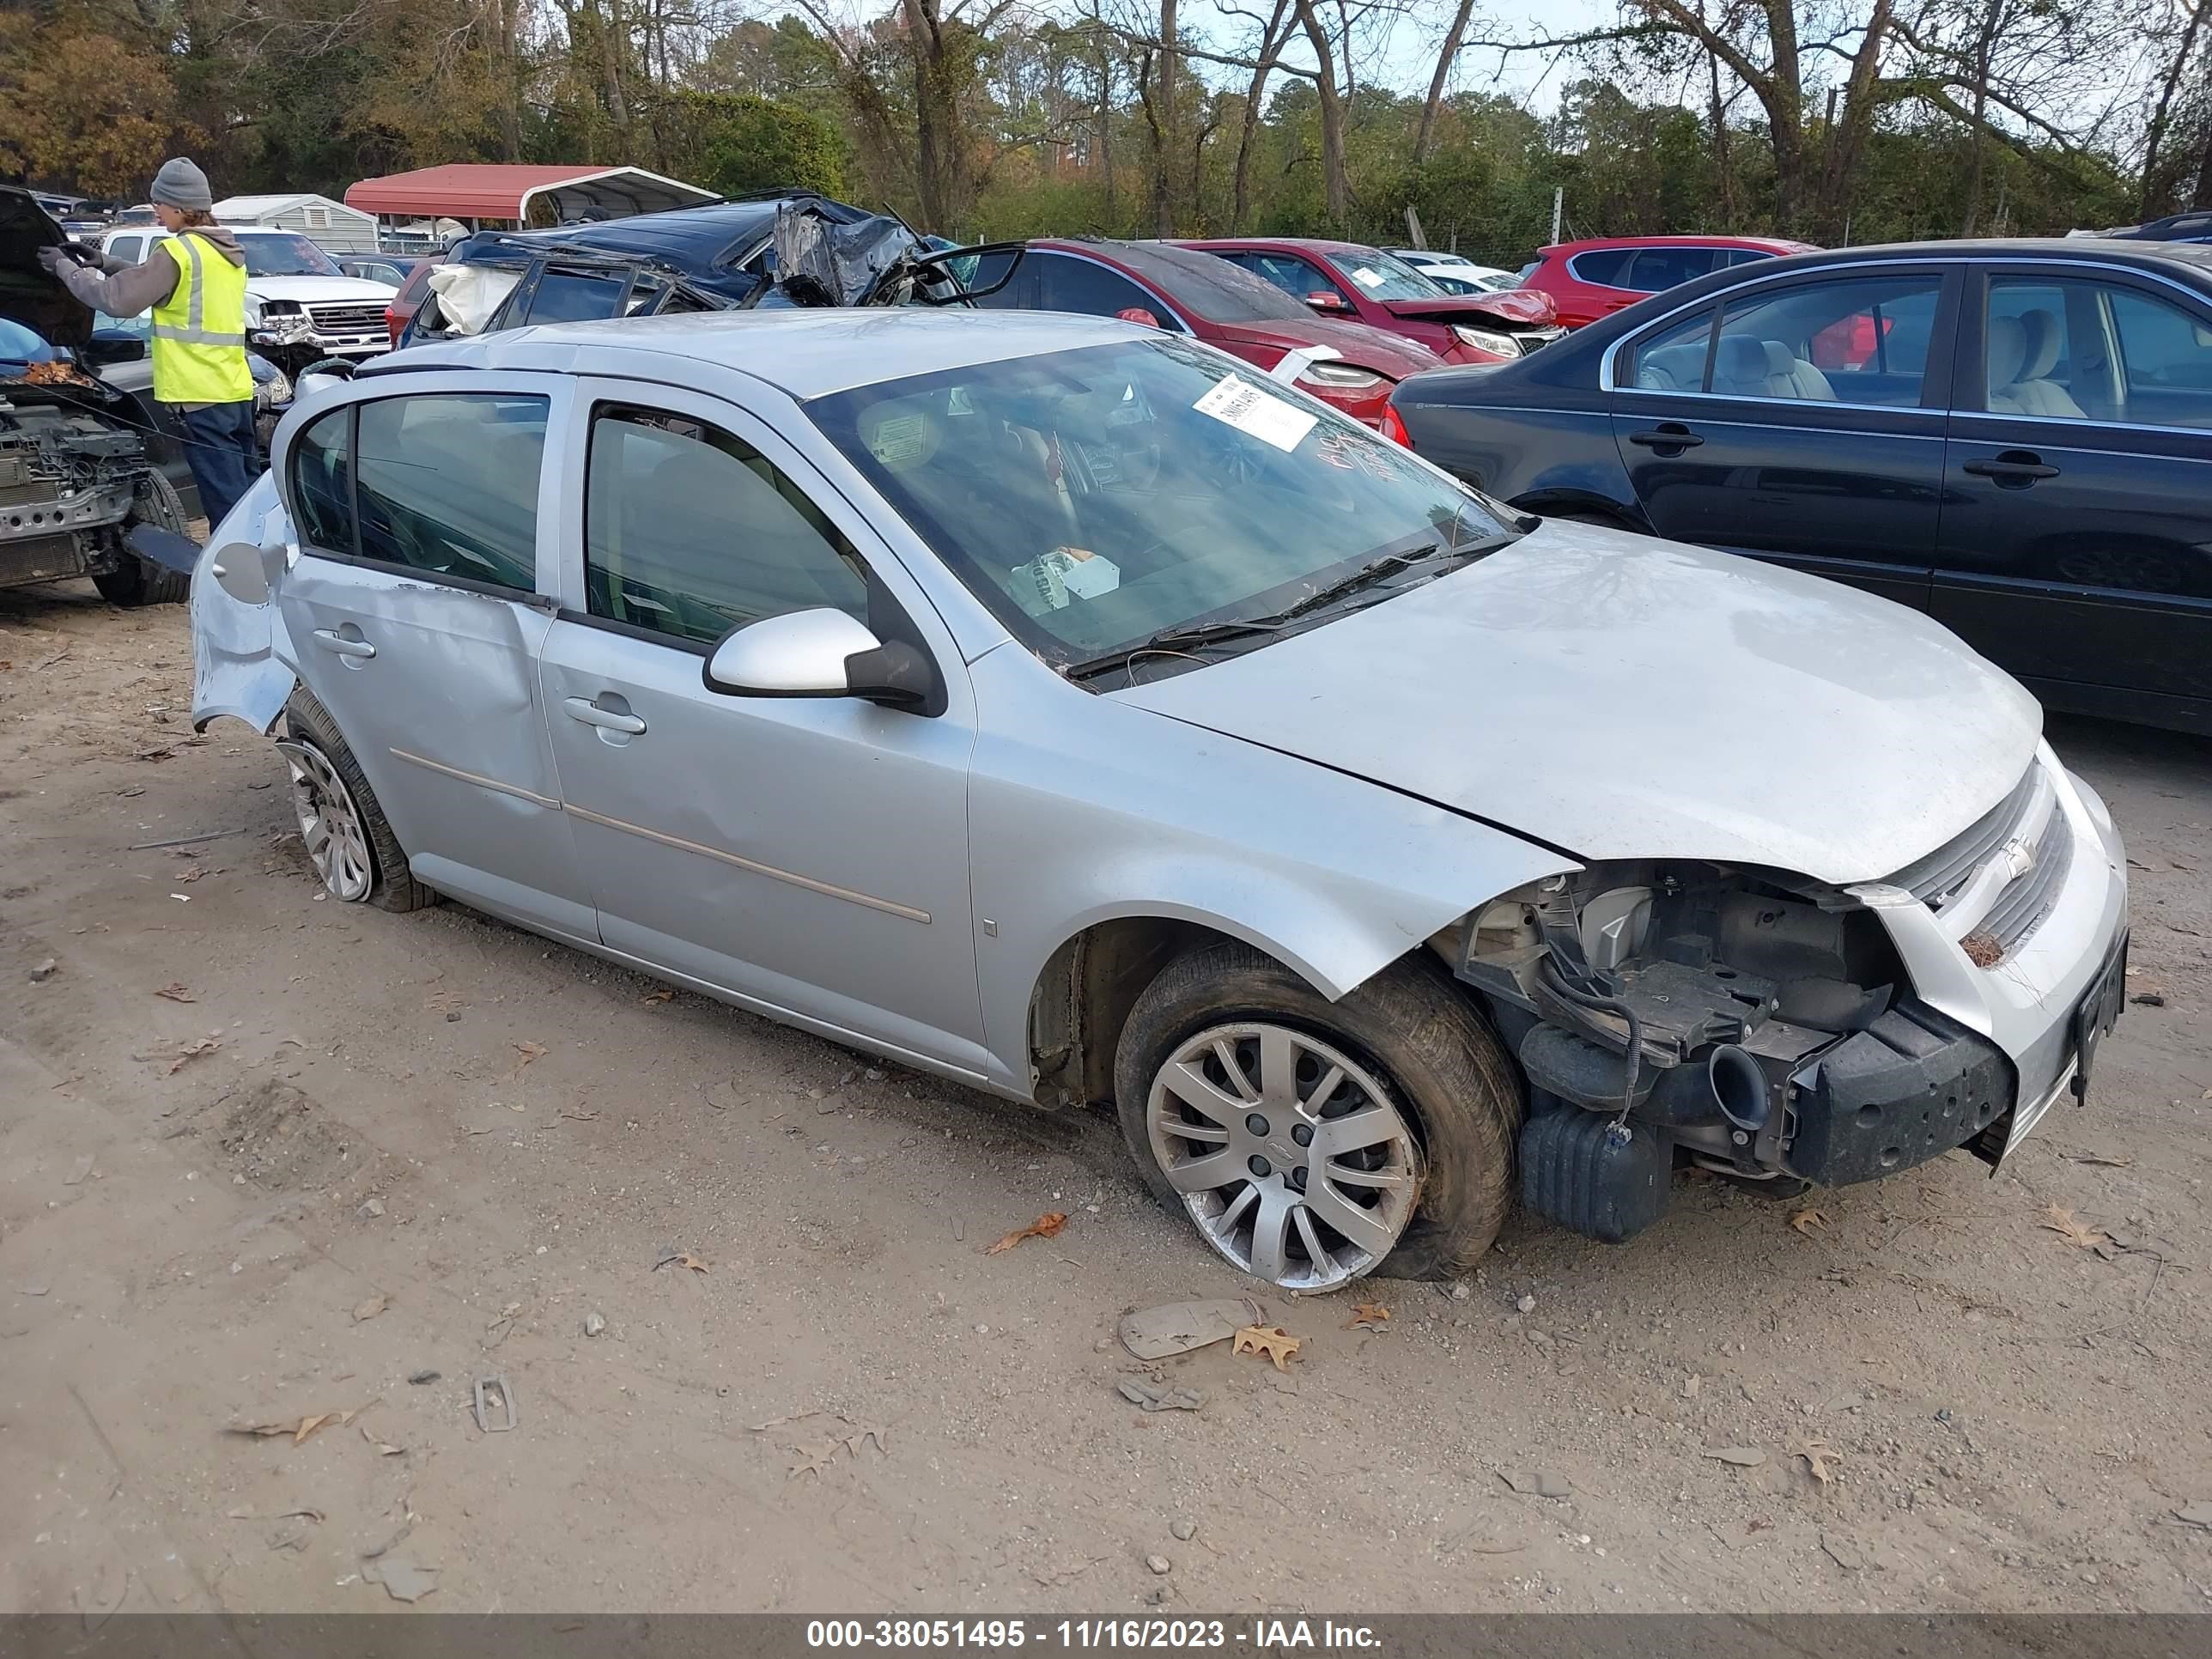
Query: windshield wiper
(1183, 637)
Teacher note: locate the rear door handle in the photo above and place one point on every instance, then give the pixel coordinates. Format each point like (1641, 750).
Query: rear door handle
(1666, 437)
(330, 640)
(2014, 466)
(584, 709)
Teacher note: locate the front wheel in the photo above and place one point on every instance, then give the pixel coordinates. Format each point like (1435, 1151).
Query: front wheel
(1312, 1141)
(136, 581)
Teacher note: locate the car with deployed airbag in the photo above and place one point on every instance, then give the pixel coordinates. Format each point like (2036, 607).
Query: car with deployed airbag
(1069, 708)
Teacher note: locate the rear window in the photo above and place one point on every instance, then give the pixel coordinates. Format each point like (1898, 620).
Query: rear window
(1212, 289)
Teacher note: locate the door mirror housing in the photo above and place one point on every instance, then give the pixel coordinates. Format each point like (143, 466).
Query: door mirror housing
(1328, 300)
(105, 350)
(248, 574)
(821, 652)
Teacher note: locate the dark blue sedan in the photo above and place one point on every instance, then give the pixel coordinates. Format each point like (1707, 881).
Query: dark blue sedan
(2015, 437)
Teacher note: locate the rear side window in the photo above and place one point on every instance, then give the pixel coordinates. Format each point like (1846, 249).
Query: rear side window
(322, 484)
(448, 485)
(1656, 270)
(1604, 266)
(690, 532)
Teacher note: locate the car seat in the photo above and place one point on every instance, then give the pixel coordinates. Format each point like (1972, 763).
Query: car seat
(2021, 350)
(1789, 375)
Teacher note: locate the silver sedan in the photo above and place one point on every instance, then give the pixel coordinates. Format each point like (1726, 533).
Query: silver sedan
(1062, 707)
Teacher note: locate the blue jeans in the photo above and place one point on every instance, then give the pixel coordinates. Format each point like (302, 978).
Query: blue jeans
(223, 454)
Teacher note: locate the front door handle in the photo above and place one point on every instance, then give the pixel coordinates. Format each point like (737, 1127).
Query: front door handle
(584, 709)
(1669, 436)
(330, 640)
(2014, 467)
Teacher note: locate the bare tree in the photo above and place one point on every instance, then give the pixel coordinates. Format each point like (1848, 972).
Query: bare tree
(1424, 134)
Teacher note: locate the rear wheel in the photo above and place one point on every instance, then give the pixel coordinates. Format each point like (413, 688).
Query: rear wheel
(1313, 1142)
(347, 837)
(136, 581)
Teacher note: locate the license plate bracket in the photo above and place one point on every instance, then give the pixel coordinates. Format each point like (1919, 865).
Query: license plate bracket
(2095, 1015)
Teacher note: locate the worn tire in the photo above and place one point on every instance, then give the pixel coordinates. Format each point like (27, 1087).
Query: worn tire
(307, 722)
(134, 582)
(1411, 1024)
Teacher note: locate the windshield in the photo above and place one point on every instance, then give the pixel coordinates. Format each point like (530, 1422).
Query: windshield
(1095, 497)
(19, 344)
(286, 256)
(1384, 276)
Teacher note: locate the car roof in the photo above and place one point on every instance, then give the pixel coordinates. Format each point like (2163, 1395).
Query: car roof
(806, 352)
(1589, 243)
(1308, 243)
(695, 234)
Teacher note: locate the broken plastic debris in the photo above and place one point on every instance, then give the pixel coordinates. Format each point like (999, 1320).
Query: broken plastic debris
(1150, 1396)
(1175, 1328)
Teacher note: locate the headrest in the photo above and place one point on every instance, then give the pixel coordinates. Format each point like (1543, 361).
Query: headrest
(1780, 359)
(2007, 349)
(2043, 338)
(1741, 358)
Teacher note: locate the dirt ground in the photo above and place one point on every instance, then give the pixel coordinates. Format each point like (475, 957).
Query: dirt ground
(264, 1156)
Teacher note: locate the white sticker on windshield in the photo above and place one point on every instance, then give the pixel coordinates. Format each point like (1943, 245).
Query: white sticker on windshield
(1366, 278)
(1250, 410)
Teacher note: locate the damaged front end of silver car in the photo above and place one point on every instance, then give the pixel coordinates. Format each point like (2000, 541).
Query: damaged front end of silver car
(1753, 1024)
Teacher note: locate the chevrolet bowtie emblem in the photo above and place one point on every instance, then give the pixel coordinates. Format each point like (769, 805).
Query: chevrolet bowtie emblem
(2019, 857)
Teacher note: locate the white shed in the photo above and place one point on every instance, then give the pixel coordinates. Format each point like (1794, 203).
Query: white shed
(332, 226)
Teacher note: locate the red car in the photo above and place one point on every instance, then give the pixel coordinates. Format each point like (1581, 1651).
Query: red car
(1589, 279)
(1352, 366)
(1346, 280)
(401, 310)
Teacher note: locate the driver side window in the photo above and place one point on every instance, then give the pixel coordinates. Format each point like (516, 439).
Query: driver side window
(690, 532)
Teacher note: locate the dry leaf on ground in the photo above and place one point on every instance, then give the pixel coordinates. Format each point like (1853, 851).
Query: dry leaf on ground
(384, 1448)
(299, 1428)
(1744, 1457)
(176, 993)
(1368, 1316)
(665, 994)
(2060, 1220)
(680, 1259)
(369, 1310)
(855, 1440)
(813, 1459)
(1817, 1455)
(529, 1051)
(1046, 1225)
(191, 1052)
(1272, 1341)
(1807, 1222)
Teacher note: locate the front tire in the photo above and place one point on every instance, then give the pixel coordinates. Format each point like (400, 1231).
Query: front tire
(134, 582)
(348, 838)
(1313, 1142)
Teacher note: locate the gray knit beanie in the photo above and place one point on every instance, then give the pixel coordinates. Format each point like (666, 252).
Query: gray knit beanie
(179, 183)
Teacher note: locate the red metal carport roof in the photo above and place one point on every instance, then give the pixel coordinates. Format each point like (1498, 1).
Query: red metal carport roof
(468, 190)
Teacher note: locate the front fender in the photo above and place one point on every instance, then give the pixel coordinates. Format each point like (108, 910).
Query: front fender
(1336, 877)
(243, 664)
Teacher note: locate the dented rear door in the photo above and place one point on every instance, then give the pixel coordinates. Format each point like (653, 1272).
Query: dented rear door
(416, 614)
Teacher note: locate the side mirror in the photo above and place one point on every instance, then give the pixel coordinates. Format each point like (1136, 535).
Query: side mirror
(817, 654)
(1328, 300)
(247, 572)
(103, 350)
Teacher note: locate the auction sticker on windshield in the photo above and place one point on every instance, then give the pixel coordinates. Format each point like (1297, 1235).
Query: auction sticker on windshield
(1236, 402)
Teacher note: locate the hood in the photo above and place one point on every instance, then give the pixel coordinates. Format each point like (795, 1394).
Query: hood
(28, 295)
(1524, 307)
(320, 290)
(1370, 347)
(1621, 697)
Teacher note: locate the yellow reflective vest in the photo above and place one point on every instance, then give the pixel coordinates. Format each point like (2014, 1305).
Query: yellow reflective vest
(200, 330)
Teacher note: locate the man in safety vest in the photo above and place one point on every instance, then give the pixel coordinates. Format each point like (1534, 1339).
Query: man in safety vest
(194, 282)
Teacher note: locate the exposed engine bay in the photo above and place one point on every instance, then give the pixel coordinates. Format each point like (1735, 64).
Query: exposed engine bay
(69, 482)
(1738, 1020)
